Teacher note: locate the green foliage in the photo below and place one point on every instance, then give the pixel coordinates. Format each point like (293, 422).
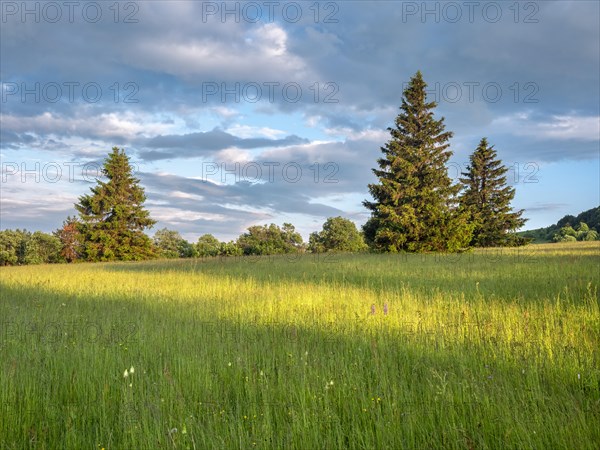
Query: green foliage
(591, 217)
(10, 246)
(270, 240)
(208, 245)
(338, 234)
(570, 234)
(23, 247)
(71, 239)
(113, 217)
(414, 207)
(486, 198)
(230, 248)
(170, 245)
(41, 248)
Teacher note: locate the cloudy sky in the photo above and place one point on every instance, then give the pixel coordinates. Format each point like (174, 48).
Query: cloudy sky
(236, 114)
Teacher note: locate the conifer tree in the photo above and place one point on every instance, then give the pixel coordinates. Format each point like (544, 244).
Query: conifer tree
(487, 199)
(113, 217)
(415, 201)
(70, 239)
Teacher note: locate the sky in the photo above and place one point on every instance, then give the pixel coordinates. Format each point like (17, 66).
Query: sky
(247, 113)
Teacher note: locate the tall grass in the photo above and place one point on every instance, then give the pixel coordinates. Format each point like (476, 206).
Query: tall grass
(494, 349)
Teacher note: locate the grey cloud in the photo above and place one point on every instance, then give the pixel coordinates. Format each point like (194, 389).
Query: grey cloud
(205, 143)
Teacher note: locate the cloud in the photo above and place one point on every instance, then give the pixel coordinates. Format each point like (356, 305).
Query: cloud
(361, 61)
(110, 127)
(556, 127)
(205, 143)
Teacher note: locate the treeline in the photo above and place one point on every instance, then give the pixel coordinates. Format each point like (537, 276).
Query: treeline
(569, 225)
(20, 247)
(338, 234)
(415, 207)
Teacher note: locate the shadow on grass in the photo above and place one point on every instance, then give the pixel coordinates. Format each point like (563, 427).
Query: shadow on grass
(313, 388)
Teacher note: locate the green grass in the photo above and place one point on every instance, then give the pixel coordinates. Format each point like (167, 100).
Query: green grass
(493, 349)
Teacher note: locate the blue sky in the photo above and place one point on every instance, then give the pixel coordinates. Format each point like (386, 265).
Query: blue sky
(236, 114)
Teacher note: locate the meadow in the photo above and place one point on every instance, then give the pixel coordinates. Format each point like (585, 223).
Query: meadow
(494, 349)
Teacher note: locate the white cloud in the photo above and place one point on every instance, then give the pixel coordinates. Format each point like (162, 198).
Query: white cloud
(108, 125)
(559, 127)
(247, 131)
(174, 215)
(257, 54)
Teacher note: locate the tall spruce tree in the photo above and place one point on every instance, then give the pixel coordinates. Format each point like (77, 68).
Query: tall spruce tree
(415, 200)
(113, 217)
(487, 199)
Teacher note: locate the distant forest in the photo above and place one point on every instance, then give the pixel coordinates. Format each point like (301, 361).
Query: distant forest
(591, 217)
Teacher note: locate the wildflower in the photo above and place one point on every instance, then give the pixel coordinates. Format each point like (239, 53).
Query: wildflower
(125, 374)
(229, 364)
(131, 370)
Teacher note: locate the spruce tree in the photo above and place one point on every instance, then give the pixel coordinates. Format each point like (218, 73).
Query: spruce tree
(487, 199)
(414, 207)
(113, 217)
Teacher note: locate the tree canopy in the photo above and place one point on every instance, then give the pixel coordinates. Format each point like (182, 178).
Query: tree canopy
(113, 218)
(270, 240)
(338, 234)
(486, 198)
(414, 207)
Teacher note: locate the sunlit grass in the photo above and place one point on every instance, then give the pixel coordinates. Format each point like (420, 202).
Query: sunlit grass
(494, 349)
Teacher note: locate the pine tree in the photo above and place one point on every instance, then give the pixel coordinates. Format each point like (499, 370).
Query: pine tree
(487, 199)
(70, 239)
(113, 217)
(415, 200)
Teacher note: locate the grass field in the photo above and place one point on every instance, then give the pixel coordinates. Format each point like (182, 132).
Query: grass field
(492, 349)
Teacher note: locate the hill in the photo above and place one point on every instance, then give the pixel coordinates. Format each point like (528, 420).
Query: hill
(591, 217)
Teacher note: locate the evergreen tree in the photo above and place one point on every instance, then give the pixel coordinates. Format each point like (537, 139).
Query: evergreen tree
(70, 239)
(113, 217)
(415, 199)
(487, 199)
